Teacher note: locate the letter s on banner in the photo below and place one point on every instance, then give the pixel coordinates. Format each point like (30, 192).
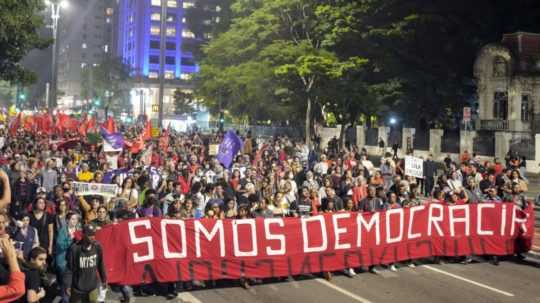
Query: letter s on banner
(166, 251)
(305, 234)
(269, 236)
(136, 240)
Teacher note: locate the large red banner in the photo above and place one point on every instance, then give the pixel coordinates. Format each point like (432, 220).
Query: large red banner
(166, 250)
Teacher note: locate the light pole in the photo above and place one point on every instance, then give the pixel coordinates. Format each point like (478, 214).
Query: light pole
(55, 6)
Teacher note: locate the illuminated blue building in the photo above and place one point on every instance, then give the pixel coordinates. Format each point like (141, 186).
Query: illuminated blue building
(139, 26)
(139, 38)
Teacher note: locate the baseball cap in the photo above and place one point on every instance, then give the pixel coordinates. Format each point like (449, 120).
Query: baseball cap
(89, 230)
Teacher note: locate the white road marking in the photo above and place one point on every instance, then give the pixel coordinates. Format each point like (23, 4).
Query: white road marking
(343, 291)
(186, 296)
(273, 287)
(502, 292)
(534, 253)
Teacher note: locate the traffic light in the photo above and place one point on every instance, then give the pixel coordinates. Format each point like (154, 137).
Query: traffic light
(97, 102)
(22, 96)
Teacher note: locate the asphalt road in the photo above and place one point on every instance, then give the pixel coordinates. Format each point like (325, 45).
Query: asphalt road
(511, 281)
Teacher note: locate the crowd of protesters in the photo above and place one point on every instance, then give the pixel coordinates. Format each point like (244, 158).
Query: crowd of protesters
(53, 229)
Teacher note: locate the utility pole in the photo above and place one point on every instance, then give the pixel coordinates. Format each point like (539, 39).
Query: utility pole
(55, 6)
(162, 44)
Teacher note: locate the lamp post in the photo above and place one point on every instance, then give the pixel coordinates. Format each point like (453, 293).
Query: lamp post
(55, 6)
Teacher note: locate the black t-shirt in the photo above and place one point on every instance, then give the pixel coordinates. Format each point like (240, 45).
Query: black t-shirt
(32, 281)
(42, 226)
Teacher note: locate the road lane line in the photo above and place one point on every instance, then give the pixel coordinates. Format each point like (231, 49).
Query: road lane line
(186, 296)
(502, 292)
(343, 291)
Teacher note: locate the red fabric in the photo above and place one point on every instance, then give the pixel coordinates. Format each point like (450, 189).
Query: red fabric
(164, 141)
(14, 289)
(185, 185)
(136, 146)
(110, 125)
(15, 125)
(293, 246)
(147, 132)
(29, 124)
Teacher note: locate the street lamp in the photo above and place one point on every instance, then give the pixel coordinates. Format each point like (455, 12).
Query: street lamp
(55, 6)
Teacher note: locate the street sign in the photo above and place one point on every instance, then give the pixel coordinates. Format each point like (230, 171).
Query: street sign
(155, 132)
(466, 114)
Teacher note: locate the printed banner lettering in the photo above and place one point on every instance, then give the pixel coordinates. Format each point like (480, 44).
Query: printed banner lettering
(84, 189)
(165, 250)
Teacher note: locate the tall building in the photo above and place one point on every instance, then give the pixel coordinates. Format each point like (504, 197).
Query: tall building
(86, 37)
(139, 32)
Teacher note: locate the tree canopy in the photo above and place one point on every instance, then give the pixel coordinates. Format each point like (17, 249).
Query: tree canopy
(294, 59)
(19, 25)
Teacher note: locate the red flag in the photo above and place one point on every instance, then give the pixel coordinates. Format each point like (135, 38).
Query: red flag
(147, 133)
(137, 145)
(15, 125)
(46, 124)
(110, 125)
(29, 124)
(164, 141)
(91, 125)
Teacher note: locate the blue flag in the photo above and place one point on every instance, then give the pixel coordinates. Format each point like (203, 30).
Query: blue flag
(116, 140)
(228, 148)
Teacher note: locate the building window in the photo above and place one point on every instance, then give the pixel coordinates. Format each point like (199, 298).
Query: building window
(154, 30)
(154, 59)
(185, 76)
(154, 44)
(188, 61)
(170, 46)
(499, 67)
(500, 105)
(153, 75)
(108, 20)
(169, 74)
(184, 20)
(156, 2)
(83, 65)
(188, 4)
(130, 33)
(170, 60)
(171, 17)
(130, 19)
(525, 108)
(109, 11)
(171, 3)
(84, 45)
(106, 48)
(155, 17)
(186, 33)
(218, 8)
(171, 31)
(208, 36)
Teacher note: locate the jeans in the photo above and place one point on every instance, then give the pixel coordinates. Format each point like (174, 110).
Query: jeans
(83, 297)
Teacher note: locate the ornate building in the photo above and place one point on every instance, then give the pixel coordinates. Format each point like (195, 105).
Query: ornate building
(508, 75)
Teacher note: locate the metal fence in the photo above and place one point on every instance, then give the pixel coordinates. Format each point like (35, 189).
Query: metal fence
(421, 140)
(484, 143)
(372, 137)
(450, 141)
(259, 130)
(524, 144)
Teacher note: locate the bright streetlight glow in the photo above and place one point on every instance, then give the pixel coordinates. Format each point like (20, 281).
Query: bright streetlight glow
(393, 120)
(47, 2)
(64, 4)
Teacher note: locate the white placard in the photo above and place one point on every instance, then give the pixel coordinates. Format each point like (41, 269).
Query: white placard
(414, 167)
(85, 189)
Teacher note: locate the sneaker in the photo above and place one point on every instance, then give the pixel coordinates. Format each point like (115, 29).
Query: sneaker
(349, 272)
(467, 260)
(393, 268)
(327, 275)
(411, 265)
(373, 270)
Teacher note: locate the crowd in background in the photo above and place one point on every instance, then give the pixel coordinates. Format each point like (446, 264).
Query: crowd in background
(271, 177)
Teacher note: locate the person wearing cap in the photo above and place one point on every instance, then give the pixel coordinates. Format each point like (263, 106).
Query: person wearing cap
(85, 267)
